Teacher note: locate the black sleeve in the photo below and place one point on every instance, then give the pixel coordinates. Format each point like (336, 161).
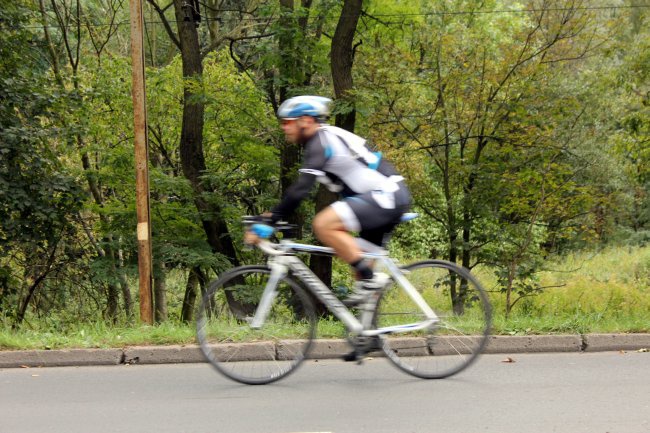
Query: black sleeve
(314, 160)
(295, 194)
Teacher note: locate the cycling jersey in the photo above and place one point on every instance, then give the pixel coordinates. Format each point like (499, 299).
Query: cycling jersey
(375, 195)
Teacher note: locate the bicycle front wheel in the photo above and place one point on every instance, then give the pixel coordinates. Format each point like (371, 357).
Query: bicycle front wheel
(248, 355)
(451, 344)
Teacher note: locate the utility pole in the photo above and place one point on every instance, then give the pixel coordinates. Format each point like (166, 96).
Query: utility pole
(141, 162)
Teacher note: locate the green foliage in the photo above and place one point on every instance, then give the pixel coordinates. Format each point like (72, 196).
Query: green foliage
(521, 135)
(595, 292)
(495, 120)
(418, 238)
(35, 192)
(627, 101)
(39, 198)
(242, 162)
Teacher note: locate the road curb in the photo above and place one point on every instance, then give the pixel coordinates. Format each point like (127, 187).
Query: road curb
(612, 342)
(162, 354)
(321, 349)
(534, 343)
(60, 358)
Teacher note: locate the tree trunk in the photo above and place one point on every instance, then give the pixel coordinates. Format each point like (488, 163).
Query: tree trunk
(290, 157)
(342, 57)
(322, 265)
(191, 143)
(113, 295)
(292, 74)
(511, 278)
(444, 166)
(187, 310)
(159, 292)
(124, 285)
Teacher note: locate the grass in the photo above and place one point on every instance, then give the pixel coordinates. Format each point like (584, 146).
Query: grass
(608, 291)
(598, 292)
(97, 335)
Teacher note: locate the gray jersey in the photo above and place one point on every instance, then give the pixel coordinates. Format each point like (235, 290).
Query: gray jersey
(340, 160)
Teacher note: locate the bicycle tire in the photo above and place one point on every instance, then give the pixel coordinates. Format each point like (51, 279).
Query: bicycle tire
(450, 345)
(255, 356)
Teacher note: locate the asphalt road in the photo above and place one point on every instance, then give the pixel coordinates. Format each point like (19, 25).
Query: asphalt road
(577, 392)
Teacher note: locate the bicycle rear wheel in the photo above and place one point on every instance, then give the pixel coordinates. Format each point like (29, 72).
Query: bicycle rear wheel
(255, 356)
(448, 346)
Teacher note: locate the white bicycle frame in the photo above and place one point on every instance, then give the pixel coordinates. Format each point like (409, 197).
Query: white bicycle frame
(282, 260)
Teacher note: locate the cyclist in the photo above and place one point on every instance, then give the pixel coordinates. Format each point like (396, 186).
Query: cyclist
(374, 194)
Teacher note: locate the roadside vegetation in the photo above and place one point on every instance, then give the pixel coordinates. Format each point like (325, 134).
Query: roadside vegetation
(592, 292)
(522, 130)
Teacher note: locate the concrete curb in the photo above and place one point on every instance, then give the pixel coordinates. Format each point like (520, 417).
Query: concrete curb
(60, 358)
(534, 343)
(162, 354)
(608, 342)
(321, 349)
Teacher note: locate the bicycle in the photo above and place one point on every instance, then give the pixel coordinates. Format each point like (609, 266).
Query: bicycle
(434, 327)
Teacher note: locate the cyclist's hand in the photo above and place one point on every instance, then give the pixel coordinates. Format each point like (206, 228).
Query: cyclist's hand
(252, 238)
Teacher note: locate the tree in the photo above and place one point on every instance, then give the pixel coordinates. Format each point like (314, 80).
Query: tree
(342, 58)
(626, 107)
(37, 195)
(470, 106)
(67, 57)
(192, 156)
(341, 61)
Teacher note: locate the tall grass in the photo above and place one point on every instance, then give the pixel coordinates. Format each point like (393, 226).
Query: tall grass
(604, 291)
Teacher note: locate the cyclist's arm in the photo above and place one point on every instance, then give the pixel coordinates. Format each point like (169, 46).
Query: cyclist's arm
(314, 160)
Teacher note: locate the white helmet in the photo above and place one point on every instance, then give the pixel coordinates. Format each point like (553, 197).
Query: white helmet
(314, 106)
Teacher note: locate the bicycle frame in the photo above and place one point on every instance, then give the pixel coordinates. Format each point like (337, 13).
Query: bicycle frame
(282, 261)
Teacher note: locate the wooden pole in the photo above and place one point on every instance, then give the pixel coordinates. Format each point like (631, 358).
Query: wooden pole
(141, 162)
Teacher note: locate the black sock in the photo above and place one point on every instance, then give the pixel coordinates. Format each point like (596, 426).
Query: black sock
(365, 271)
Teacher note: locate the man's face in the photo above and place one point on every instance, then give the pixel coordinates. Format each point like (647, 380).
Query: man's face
(291, 129)
(296, 129)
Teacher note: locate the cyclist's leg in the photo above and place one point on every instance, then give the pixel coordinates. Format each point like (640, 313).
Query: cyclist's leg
(372, 214)
(333, 226)
(333, 231)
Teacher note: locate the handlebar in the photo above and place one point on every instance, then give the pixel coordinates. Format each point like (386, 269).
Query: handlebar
(264, 228)
(280, 226)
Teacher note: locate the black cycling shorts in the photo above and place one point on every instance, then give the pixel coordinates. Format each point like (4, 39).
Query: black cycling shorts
(374, 214)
